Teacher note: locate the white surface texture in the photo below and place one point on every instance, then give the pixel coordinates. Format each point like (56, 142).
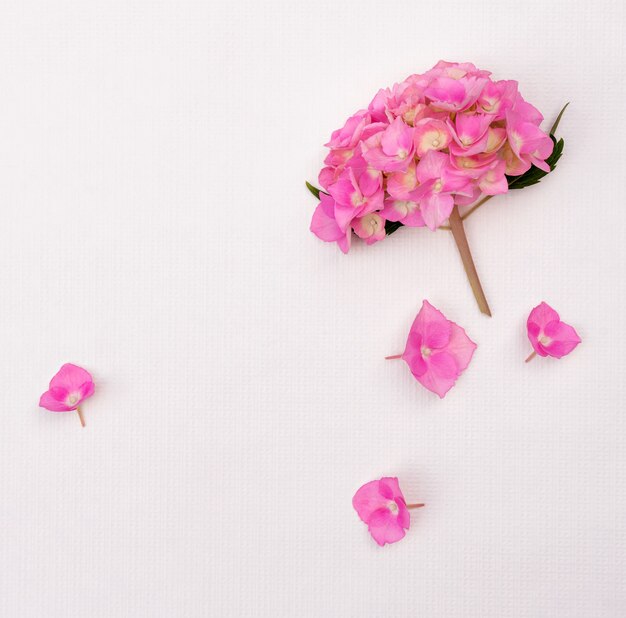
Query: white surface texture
(155, 231)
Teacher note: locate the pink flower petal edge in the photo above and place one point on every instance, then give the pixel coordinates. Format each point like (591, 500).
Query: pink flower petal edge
(548, 335)
(380, 504)
(437, 350)
(70, 386)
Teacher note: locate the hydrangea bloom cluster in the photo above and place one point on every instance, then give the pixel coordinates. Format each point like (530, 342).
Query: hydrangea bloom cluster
(444, 138)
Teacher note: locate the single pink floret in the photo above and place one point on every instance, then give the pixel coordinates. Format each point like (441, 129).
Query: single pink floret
(548, 335)
(437, 350)
(381, 505)
(68, 389)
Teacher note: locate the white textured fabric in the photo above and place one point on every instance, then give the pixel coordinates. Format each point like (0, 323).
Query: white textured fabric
(155, 230)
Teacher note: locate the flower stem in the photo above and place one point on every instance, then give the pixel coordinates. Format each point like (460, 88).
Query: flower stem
(393, 357)
(533, 354)
(476, 206)
(458, 231)
(80, 416)
(414, 506)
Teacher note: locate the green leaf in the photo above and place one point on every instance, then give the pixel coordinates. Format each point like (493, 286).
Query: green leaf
(558, 119)
(314, 190)
(392, 226)
(534, 174)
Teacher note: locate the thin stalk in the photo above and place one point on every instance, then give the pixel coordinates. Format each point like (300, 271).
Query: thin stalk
(476, 206)
(533, 354)
(458, 231)
(80, 416)
(414, 506)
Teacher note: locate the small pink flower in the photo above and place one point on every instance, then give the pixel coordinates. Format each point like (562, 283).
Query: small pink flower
(438, 181)
(68, 389)
(371, 228)
(470, 134)
(528, 141)
(431, 134)
(381, 505)
(548, 335)
(437, 350)
(356, 193)
(349, 135)
(493, 181)
(497, 97)
(406, 211)
(390, 150)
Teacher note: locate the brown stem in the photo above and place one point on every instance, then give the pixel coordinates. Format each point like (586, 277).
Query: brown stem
(80, 416)
(393, 357)
(476, 206)
(533, 354)
(414, 506)
(458, 231)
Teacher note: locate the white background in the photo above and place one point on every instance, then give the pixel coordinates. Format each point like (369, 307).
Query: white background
(155, 230)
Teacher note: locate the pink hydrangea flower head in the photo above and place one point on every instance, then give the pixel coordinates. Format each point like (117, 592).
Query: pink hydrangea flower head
(381, 505)
(437, 350)
(548, 335)
(68, 389)
(451, 136)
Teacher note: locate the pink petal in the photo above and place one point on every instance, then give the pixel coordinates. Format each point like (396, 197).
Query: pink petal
(432, 325)
(385, 527)
(398, 136)
(437, 334)
(323, 223)
(542, 314)
(436, 208)
(435, 383)
(368, 499)
(70, 377)
(345, 242)
(390, 487)
(564, 339)
(431, 165)
(460, 346)
(404, 517)
(416, 363)
(443, 365)
(86, 390)
(50, 402)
